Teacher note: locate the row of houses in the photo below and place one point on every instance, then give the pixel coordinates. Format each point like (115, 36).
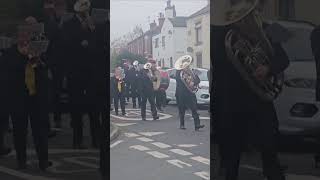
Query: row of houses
(173, 36)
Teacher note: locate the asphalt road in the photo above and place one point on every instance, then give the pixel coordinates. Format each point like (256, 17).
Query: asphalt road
(68, 164)
(158, 150)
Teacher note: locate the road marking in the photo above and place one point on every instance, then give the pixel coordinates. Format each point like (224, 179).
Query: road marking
(203, 175)
(131, 135)
(140, 148)
(157, 154)
(124, 124)
(161, 145)
(162, 116)
(186, 145)
(144, 139)
(76, 160)
(116, 143)
(23, 175)
(204, 118)
(201, 159)
(181, 152)
(178, 163)
(149, 134)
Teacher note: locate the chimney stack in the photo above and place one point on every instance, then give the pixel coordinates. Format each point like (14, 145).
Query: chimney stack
(153, 25)
(161, 19)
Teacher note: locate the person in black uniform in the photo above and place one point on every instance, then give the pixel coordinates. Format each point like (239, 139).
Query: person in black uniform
(186, 98)
(56, 56)
(118, 88)
(147, 92)
(81, 38)
(4, 111)
(28, 93)
(132, 78)
(240, 115)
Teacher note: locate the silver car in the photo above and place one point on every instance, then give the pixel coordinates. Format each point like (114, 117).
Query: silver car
(203, 96)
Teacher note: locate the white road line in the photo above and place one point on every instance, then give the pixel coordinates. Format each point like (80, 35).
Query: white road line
(149, 134)
(124, 124)
(203, 175)
(178, 163)
(131, 135)
(186, 145)
(201, 159)
(23, 175)
(204, 118)
(140, 148)
(181, 152)
(161, 145)
(116, 143)
(157, 154)
(144, 139)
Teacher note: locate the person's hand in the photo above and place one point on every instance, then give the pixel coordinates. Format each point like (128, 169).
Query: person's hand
(262, 72)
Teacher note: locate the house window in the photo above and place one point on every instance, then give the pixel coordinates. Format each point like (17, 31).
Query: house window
(163, 63)
(159, 63)
(171, 62)
(157, 43)
(287, 9)
(199, 60)
(198, 33)
(163, 41)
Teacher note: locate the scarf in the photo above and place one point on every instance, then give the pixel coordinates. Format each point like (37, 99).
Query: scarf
(30, 79)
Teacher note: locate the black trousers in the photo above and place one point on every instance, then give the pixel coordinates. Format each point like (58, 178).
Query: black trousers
(160, 97)
(250, 128)
(116, 98)
(135, 96)
(148, 97)
(188, 101)
(4, 126)
(39, 124)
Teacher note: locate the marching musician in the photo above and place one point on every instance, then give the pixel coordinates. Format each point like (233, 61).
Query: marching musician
(28, 93)
(186, 98)
(241, 115)
(118, 88)
(156, 84)
(146, 89)
(132, 78)
(81, 38)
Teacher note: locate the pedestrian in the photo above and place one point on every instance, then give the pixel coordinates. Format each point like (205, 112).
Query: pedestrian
(240, 115)
(147, 92)
(118, 88)
(132, 78)
(156, 84)
(81, 38)
(187, 81)
(27, 82)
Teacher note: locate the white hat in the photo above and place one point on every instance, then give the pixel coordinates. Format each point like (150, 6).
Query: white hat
(82, 5)
(226, 12)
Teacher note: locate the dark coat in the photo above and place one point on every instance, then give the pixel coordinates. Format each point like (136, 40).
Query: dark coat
(145, 84)
(114, 87)
(181, 90)
(15, 65)
(315, 45)
(232, 95)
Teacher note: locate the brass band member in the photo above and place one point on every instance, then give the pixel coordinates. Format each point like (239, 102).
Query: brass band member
(187, 84)
(156, 84)
(146, 89)
(28, 93)
(243, 107)
(81, 40)
(118, 89)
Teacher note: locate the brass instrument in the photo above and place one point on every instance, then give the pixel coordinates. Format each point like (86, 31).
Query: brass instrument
(154, 76)
(119, 75)
(189, 79)
(246, 56)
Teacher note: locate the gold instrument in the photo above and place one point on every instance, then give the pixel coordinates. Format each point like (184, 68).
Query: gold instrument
(247, 55)
(119, 75)
(187, 75)
(154, 76)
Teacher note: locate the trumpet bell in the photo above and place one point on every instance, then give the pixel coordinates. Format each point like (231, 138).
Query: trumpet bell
(183, 62)
(147, 66)
(135, 63)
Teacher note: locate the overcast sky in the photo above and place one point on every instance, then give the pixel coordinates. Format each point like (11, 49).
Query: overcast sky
(125, 14)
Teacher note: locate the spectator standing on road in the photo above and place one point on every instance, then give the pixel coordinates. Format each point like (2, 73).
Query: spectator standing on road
(186, 98)
(118, 88)
(28, 93)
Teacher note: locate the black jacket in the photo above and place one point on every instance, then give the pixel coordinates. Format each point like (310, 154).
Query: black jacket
(14, 65)
(315, 45)
(114, 87)
(145, 84)
(181, 90)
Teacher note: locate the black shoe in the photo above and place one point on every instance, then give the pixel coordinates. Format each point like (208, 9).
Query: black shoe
(5, 151)
(156, 118)
(199, 127)
(182, 127)
(123, 114)
(52, 134)
(117, 113)
(44, 165)
(144, 119)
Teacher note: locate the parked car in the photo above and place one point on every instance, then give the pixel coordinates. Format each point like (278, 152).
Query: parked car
(203, 96)
(297, 109)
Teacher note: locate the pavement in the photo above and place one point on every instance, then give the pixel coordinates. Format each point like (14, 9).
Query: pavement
(68, 164)
(159, 150)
